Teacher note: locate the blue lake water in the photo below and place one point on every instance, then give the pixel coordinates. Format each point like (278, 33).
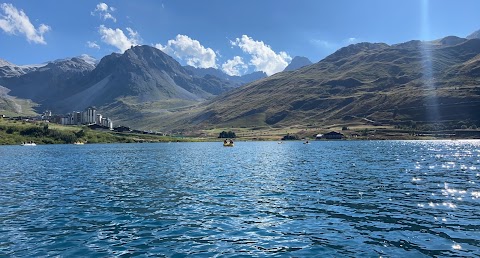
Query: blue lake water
(324, 199)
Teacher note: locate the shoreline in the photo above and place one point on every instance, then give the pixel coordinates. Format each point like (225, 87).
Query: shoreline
(16, 133)
(239, 140)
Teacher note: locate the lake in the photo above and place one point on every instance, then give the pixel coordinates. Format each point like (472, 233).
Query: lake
(324, 199)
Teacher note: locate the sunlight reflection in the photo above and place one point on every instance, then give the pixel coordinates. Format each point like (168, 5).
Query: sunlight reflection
(428, 73)
(475, 195)
(456, 247)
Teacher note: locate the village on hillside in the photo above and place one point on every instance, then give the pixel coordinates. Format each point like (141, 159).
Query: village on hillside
(88, 117)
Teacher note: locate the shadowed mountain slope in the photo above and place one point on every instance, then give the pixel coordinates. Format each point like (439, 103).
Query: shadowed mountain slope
(141, 74)
(48, 83)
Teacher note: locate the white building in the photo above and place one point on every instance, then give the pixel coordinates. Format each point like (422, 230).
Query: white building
(65, 120)
(98, 119)
(89, 116)
(107, 123)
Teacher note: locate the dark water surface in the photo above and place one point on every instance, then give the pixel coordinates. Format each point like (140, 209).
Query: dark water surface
(325, 199)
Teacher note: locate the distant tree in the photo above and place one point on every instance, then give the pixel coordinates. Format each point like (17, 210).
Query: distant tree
(464, 127)
(289, 137)
(33, 131)
(228, 134)
(45, 129)
(412, 124)
(364, 132)
(344, 128)
(80, 134)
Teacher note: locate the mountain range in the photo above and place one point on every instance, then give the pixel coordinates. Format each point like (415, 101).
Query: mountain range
(141, 74)
(236, 80)
(146, 88)
(432, 82)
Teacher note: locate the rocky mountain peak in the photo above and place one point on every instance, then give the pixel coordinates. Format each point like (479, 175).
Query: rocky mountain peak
(89, 59)
(474, 35)
(73, 64)
(5, 63)
(8, 69)
(451, 41)
(355, 49)
(297, 63)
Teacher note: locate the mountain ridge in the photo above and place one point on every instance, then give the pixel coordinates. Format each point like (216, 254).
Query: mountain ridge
(238, 80)
(369, 80)
(147, 88)
(141, 74)
(474, 35)
(297, 63)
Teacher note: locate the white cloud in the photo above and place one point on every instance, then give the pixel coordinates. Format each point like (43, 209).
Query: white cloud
(104, 11)
(262, 56)
(89, 59)
(323, 44)
(330, 46)
(14, 21)
(102, 7)
(109, 16)
(352, 40)
(235, 66)
(118, 39)
(93, 44)
(190, 50)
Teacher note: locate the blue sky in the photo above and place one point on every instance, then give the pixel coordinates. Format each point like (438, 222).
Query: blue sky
(235, 36)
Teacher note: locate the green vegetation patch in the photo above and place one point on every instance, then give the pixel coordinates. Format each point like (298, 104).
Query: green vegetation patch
(17, 132)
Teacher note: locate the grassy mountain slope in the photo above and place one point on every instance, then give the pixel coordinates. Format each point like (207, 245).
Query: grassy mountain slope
(11, 106)
(409, 81)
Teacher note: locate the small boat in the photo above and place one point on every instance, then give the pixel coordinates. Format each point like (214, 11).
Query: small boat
(79, 143)
(228, 143)
(306, 142)
(29, 144)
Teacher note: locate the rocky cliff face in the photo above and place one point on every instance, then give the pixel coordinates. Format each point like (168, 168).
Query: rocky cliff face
(48, 83)
(8, 69)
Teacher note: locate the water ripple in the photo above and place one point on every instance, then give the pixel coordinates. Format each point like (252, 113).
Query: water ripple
(385, 198)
